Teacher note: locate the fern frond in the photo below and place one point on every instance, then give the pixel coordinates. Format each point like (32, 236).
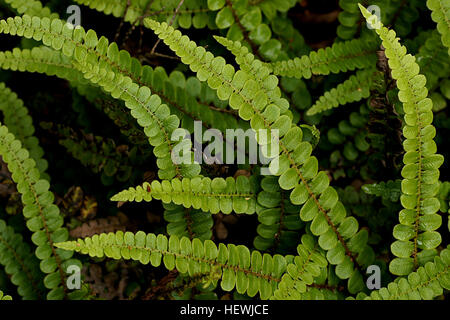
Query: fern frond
(416, 235)
(191, 223)
(248, 272)
(4, 296)
(103, 64)
(244, 58)
(340, 57)
(298, 169)
(210, 195)
(355, 89)
(19, 123)
(20, 264)
(426, 283)
(42, 216)
(41, 60)
(302, 272)
(278, 218)
(440, 14)
(32, 8)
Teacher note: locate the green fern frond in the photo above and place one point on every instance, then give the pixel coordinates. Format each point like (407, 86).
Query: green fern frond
(298, 170)
(20, 264)
(32, 8)
(278, 218)
(302, 272)
(340, 57)
(416, 235)
(19, 123)
(244, 58)
(426, 283)
(41, 60)
(355, 89)
(440, 14)
(210, 195)
(191, 223)
(42, 216)
(248, 272)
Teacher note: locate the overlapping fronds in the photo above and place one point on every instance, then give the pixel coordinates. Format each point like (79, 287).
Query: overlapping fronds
(297, 169)
(248, 272)
(184, 222)
(301, 274)
(103, 64)
(426, 283)
(279, 221)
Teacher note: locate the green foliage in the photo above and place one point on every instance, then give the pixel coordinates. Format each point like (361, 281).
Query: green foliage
(426, 283)
(195, 14)
(214, 195)
(390, 190)
(439, 15)
(248, 272)
(326, 199)
(32, 8)
(416, 235)
(4, 297)
(340, 57)
(298, 281)
(298, 170)
(351, 134)
(43, 217)
(278, 218)
(86, 49)
(19, 123)
(356, 88)
(191, 223)
(20, 264)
